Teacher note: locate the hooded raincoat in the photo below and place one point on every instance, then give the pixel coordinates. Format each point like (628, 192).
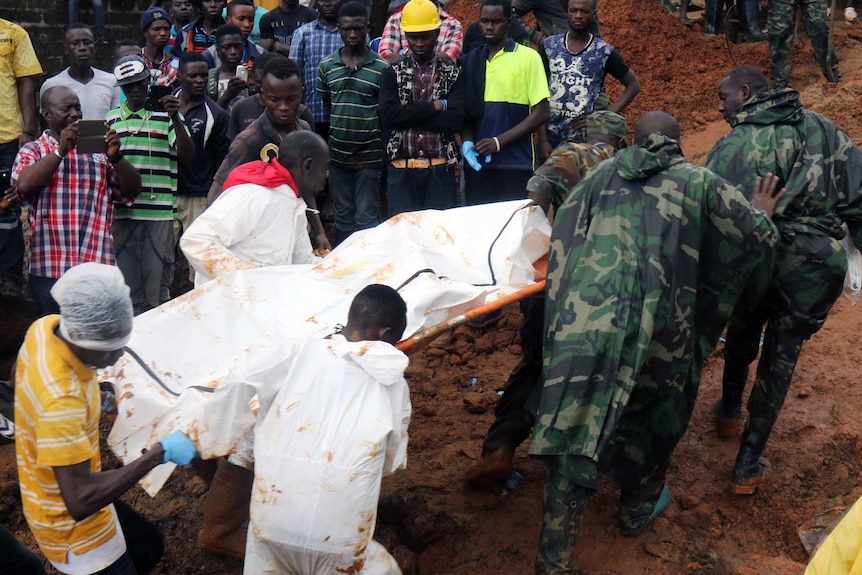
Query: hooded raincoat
(648, 257)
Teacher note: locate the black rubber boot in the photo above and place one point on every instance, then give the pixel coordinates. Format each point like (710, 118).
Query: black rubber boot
(751, 470)
(750, 16)
(728, 409)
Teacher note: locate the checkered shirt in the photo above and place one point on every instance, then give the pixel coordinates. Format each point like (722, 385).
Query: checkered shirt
(312, 43)
(70, 219)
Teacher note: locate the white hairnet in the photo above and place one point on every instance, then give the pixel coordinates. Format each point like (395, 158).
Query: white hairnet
(95, 307)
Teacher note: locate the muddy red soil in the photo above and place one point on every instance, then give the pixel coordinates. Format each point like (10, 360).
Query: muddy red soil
(433, 525)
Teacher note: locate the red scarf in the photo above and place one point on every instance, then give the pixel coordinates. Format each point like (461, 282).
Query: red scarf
(266, 174)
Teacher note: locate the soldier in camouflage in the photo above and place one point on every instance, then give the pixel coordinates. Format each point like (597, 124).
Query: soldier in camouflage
(781, 25)
(549, 186)
(648, 256)
(821, 168)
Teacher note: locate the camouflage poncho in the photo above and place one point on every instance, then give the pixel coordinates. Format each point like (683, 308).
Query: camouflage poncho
(818, 163)
(648, 256)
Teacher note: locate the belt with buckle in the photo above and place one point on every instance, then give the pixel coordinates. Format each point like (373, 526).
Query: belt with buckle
(418, 163)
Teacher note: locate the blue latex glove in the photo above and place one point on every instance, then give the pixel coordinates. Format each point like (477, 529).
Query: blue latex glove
(178, 448)
(470, 155)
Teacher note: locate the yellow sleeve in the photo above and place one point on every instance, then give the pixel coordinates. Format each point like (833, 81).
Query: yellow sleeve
(61, 432)
(537, 89)
(25, 62)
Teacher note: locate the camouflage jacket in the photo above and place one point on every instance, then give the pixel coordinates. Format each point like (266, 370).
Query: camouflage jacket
(648, 256)
(564, 169)
(818, 163)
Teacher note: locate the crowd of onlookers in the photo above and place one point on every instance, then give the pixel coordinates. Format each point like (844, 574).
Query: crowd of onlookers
(215, 86)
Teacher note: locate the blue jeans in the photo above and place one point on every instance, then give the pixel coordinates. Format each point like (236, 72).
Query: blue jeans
(409, 190)
(354, 193)
(16, 558)
(97, 8)
(11, 232)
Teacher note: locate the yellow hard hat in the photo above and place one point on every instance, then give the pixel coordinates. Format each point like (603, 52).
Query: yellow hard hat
(420, 16)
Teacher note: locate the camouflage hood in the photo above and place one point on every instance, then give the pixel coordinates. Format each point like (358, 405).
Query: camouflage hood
(655, 155)
(780, 106)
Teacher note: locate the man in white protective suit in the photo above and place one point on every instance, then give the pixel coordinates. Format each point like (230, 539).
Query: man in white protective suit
(337, 425)
(259, 220)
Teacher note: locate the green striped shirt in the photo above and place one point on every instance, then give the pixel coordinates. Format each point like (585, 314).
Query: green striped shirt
(352, 96)
(148, 142)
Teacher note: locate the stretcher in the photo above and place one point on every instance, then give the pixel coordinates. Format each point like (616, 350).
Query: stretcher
(449, 266)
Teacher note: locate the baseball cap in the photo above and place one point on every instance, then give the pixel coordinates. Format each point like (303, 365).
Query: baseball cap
(130, 69)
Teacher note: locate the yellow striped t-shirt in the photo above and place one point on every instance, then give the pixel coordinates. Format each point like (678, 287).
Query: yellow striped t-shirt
(57, 410)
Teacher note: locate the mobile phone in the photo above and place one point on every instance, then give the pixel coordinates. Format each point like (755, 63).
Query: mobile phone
(91, 137)
(242, 73)
(154, 94)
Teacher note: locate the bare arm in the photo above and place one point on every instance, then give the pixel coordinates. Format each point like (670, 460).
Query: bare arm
(317, 231)
(185, 146)
(537, 116)
(128, 177)
(632, 88)
(27, 104)
(38, 175)
(85, 493)
(468, 130)
(280, 48)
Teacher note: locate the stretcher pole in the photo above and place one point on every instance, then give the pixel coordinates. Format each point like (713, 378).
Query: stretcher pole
(420, 340)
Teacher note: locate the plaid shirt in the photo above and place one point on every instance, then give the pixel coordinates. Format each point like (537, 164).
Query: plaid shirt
(70, 219)
(164, 73)
(394, 41)
(312, 43)
(423, 143)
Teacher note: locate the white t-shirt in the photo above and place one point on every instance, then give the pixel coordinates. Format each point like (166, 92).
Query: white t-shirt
(97, 96)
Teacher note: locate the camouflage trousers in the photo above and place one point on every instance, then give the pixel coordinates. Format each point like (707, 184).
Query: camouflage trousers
(781, 24)
(636, 457)
(808, 279)
(563, 501)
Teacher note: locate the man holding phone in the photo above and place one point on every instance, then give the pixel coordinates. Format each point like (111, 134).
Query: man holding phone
(225, 83)
(153, 137)
(69, 194)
